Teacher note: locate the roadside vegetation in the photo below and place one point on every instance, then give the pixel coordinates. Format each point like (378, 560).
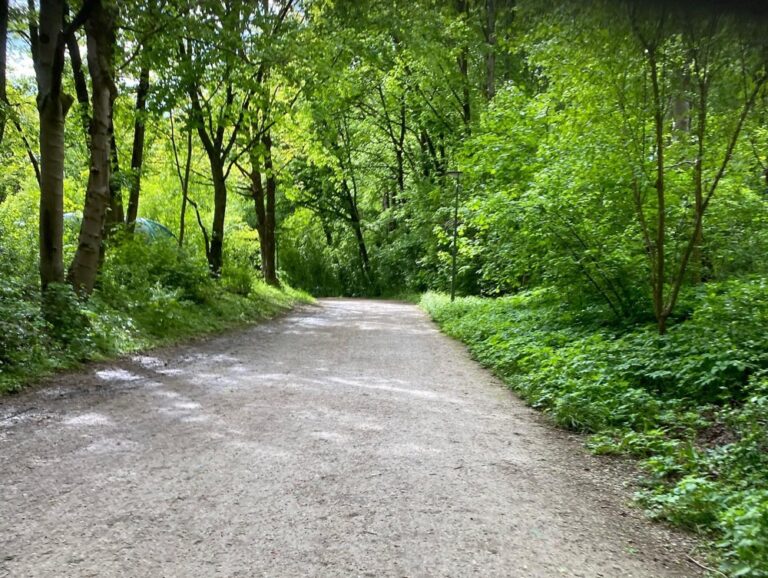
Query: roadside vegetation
(691, 404)
(150, 293)
(589, 177)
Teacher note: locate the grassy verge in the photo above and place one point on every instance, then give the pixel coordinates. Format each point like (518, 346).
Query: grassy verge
(692, 405)
(148, 295)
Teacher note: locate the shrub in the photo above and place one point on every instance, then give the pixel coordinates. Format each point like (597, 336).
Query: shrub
(692, 403)
(148, 293)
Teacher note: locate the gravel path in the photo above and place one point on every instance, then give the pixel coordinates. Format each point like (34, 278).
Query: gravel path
(345, 439)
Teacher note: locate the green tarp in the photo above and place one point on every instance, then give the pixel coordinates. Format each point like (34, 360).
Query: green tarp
(147, 227)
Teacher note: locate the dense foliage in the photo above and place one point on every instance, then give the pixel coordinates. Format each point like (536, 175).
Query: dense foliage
(600, 167)
(150, 294)
(691, 403)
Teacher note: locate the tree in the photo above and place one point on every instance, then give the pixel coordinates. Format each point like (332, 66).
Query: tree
(100, 32)
(48, 40)
(219, 92)
(137, 150)
(266, 110)
(703, 48)
(3, 66)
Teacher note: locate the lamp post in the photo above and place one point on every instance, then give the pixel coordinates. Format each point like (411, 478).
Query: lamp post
(456, 175)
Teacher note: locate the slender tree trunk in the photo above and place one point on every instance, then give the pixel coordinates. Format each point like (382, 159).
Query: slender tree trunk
(81, 85)
(101, 41)
(269, 264)
(257, 194)
(216, 159)
(115, 215)
(4, 112)
(441, 160)
(27, 147)
(430, 159)
(182, 219)
(326, 230)
(463, 61)
(354, 219)
(362, 249)
(137, 154)
(677, 280)
(400, 152)
(699, 266)
(183, 180)
(115, 211)
(659, 277)
(216, 254)
(490, 41)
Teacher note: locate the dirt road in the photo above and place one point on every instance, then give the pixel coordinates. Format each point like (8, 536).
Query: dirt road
(346, 439)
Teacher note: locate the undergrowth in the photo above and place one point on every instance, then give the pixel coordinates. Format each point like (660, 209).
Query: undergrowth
(148, 294)
(692, 405)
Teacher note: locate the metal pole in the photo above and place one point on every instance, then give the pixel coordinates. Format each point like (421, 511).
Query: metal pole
(455, 238)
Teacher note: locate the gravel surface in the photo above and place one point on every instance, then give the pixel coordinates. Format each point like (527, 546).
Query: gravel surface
(345, 439)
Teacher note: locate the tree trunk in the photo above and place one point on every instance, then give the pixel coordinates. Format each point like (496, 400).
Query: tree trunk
(463, 61)
(699, 264)
(115, 215)
(3, 65)
(216, 254)
(137, 154)
(354, 219)
(400, 152)
(361, 244)
(81, 85)
(490, 56)
(658, 277)
(101, 41)
(269, 263)
(183, 181)
(257, 194)
(115, 212)
(5, 105)
(52, 114)
(182, 219)
(52, 107)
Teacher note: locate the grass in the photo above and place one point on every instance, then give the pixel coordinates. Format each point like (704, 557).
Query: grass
(110, 333)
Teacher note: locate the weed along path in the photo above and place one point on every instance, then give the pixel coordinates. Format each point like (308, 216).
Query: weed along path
(345, 439)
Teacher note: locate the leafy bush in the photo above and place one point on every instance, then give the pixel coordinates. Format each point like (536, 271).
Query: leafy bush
(148, 293)
(135, 266)
(744, 527)
(693, 403)
(21, 330)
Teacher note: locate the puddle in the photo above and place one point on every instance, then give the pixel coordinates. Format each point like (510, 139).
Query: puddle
(187, 405)
(116, 374)
(168, 394)
(195, 419)
(170, 371)
(148, 362)
(88, 419)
